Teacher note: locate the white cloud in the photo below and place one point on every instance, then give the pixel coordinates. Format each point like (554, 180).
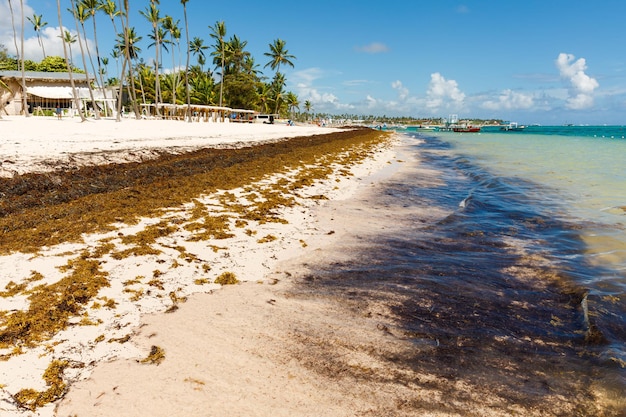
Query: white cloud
(443, 94)
(50, 35)
(307, 76)
(6, 24)
(373, 48)
(582, 85)
(322, 102)
(510, 100)
(403, 92)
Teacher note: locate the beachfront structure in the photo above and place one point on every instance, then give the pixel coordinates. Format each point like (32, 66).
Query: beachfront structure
(48, 91)
(199, 113)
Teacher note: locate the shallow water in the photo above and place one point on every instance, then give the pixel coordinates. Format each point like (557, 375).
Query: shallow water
(520, 285)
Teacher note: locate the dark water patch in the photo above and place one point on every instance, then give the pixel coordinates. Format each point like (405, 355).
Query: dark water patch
(488, 295)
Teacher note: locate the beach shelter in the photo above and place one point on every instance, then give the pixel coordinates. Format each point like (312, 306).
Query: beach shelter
(47, 91)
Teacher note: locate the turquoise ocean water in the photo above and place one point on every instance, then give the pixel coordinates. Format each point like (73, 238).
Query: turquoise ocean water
(510, 270)
(585, 169)
(579, 177)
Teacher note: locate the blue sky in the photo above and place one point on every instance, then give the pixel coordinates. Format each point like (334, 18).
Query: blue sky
(530, 61)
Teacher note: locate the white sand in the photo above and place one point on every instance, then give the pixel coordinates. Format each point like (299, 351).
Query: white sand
(220, 348)
(36, 143)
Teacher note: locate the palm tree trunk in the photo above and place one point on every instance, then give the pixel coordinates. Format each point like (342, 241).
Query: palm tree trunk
(82, 54)
(187, 65)
(24, 101)
(95, 39)
(157, 82)
(120, 93)
(43, 49)
(175, 83)
(69, 67)
(125, 25)
(19, 55)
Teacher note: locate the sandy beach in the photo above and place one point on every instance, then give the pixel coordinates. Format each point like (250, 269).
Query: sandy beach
(214, 301)
(112, 333)
(38, 144)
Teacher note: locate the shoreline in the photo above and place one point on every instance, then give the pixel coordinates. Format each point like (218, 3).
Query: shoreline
(146, 284)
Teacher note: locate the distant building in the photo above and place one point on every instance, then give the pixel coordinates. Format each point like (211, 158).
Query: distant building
(47, 91)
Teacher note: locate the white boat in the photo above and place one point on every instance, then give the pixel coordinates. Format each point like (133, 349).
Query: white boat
(513, 127)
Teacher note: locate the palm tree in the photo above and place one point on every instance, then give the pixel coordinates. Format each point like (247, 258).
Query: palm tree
(69, 39)
(198, 47)
(67, 61)
(236, 55)
(307, 107)
(278, 84)
(152, 14)
(278, 55)
(249, 66)
(184, 3)
(20, 54)
(218, 32)
(172, 28)
(92, 7)
(263, 93)
(110, 8)
(24, 102)
(292, 103)
(105, 66)
(127, 44)
(80, 15)
(38, 25)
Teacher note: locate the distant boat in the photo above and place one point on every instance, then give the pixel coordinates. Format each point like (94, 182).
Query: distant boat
(464, 129)
(513, 127)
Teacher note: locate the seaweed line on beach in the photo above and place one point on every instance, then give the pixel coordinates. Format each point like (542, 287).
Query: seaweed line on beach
(191, 193)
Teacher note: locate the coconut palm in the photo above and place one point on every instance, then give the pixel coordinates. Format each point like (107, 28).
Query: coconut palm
(263, 93)
(105, 66)
(278, 85)
(67, 61)
(278, 55)
(69, 39)
(250, 66)
(80, 15)
(127, 45)
(38, 25)
(24, 103)
(184, 3)
(236, 55)
(92, 7)
(292, 102)
(172, 28)
(153, 15)
(110, 8)
(197, 47)
(19, 53)
(218, 32)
